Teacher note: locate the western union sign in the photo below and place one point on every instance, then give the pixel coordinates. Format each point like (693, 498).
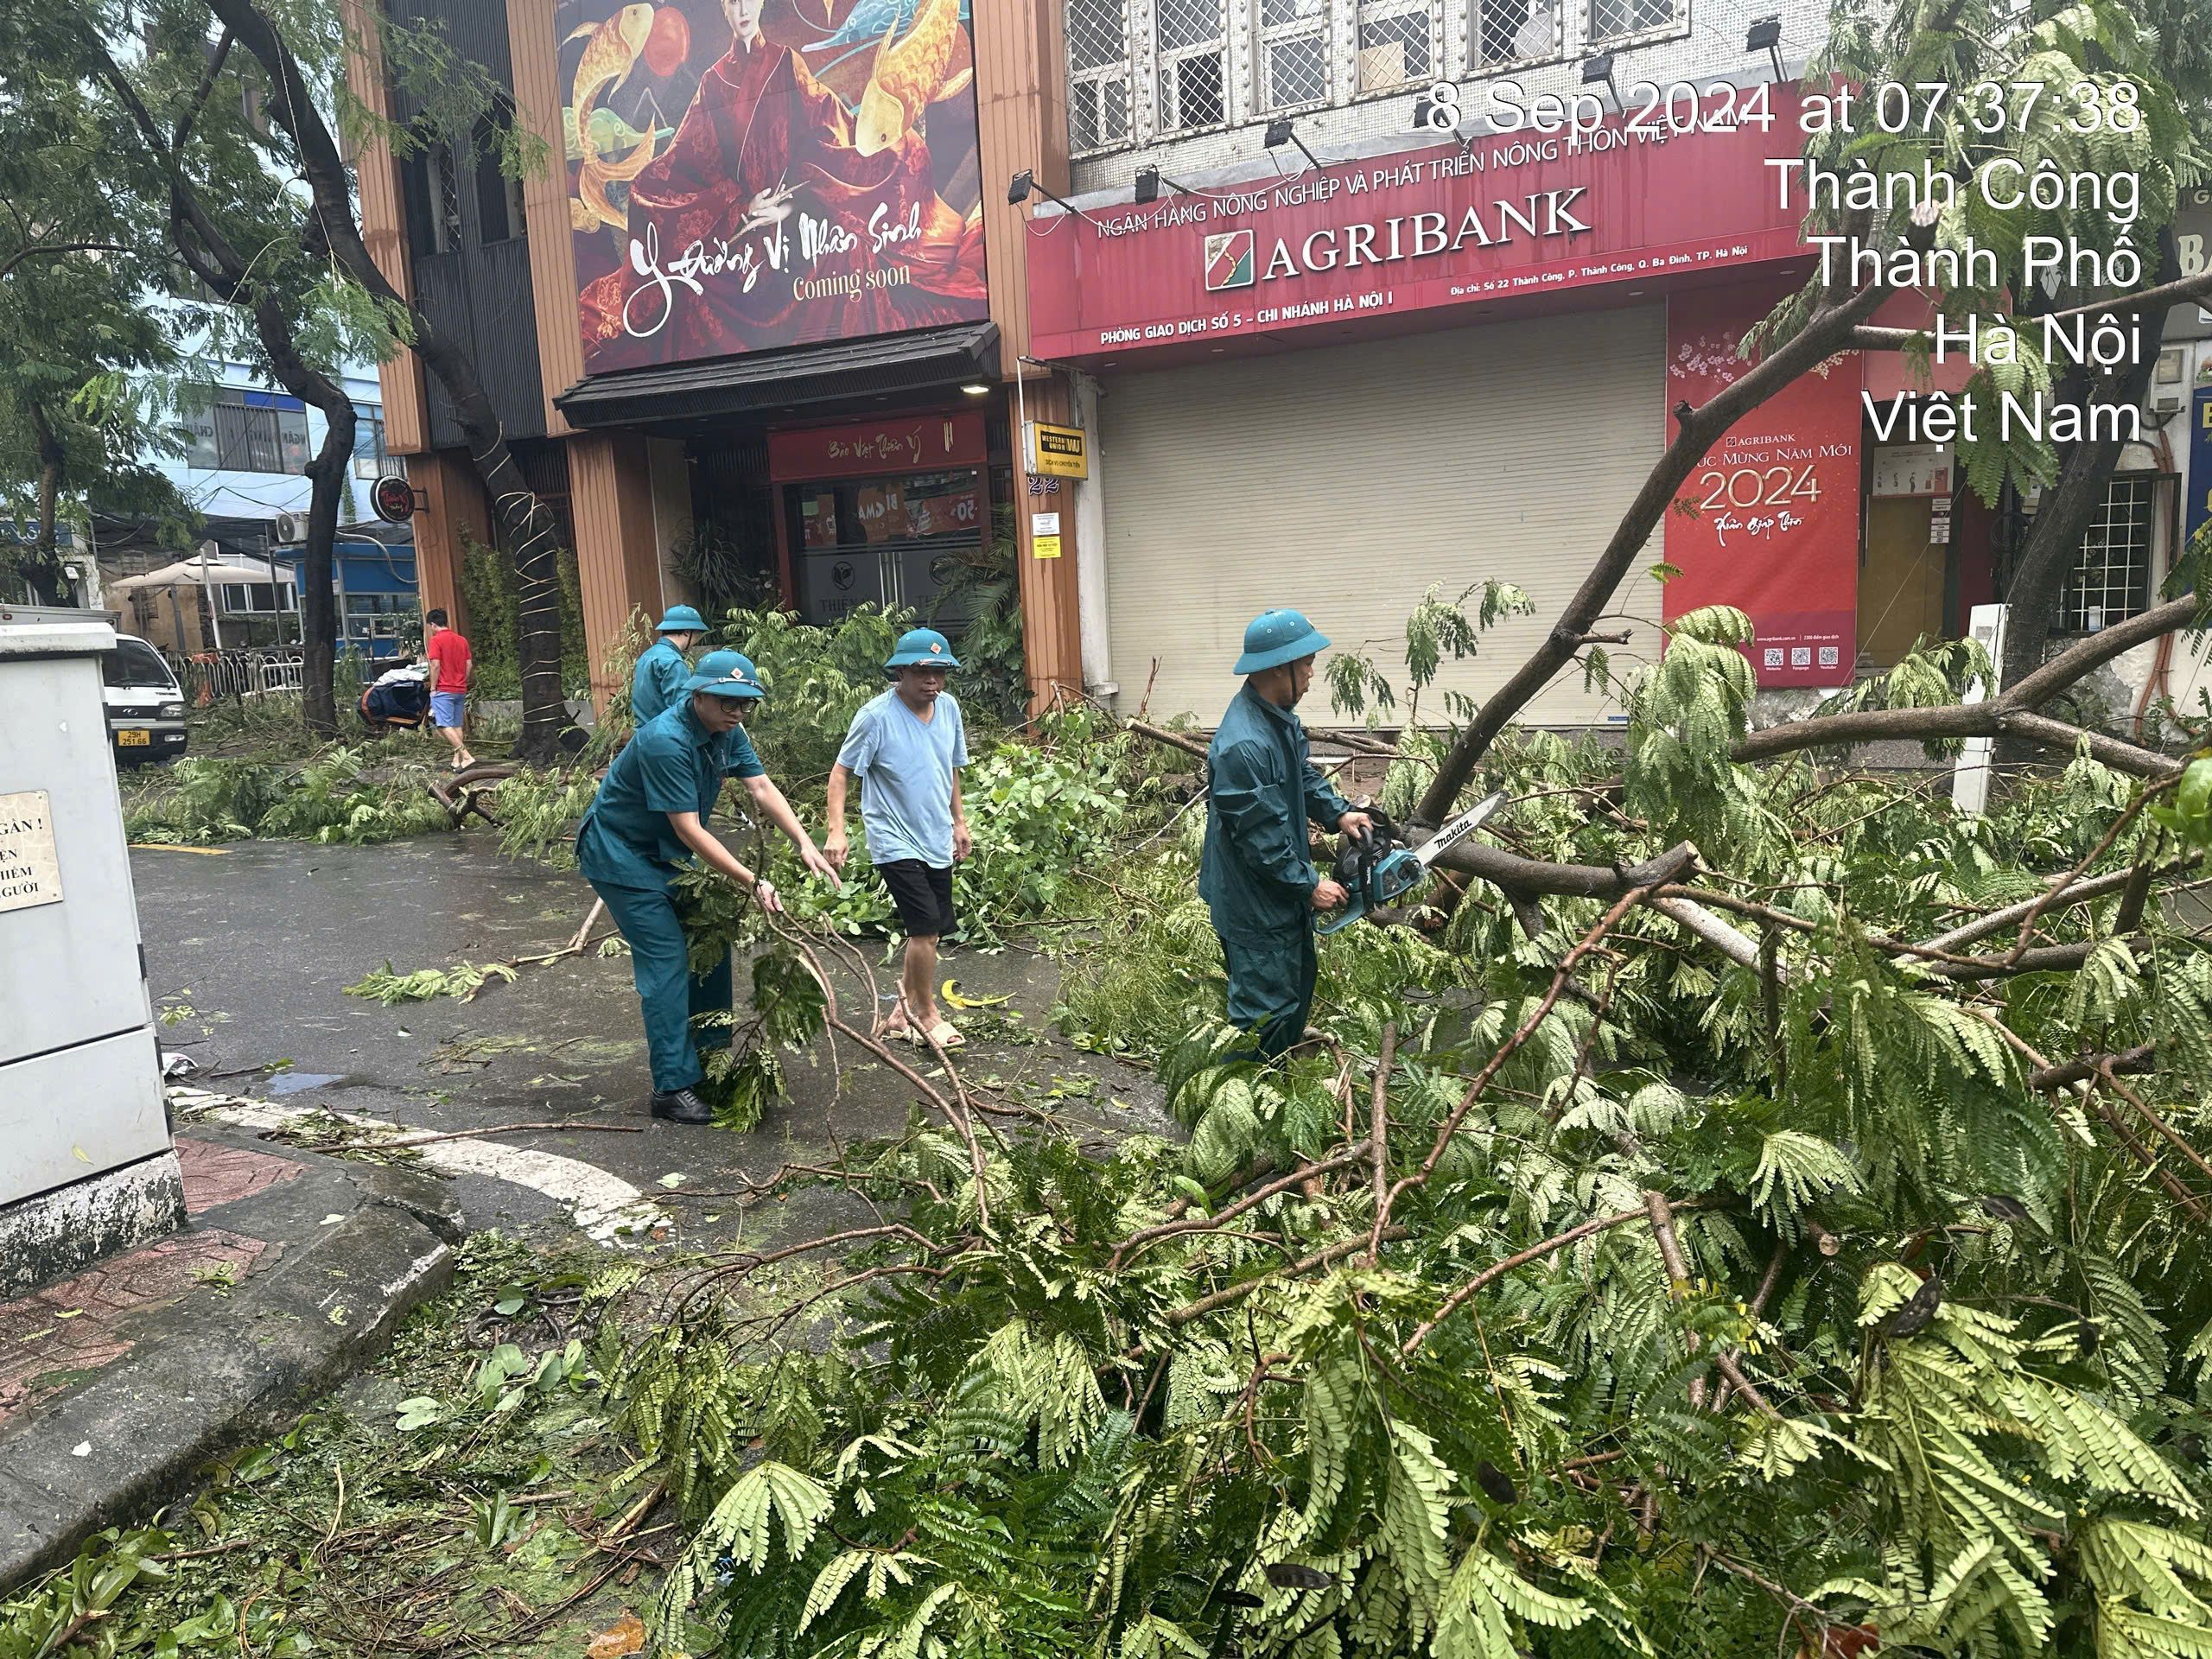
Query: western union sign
(1058, 451)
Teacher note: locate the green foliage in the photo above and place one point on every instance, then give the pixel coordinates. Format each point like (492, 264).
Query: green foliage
(461, 982)
(358, 794)
(1117, 1420)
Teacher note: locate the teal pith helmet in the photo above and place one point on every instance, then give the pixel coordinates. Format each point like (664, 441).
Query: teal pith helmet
(682, 619)
(1276, 637)
(725, 673)
(921, 648)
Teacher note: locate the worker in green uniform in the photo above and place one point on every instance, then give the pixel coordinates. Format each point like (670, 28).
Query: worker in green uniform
(1256, 875)
(649, 816)
(657, 681)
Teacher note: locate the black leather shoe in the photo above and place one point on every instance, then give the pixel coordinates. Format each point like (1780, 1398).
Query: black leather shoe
(682, 1106)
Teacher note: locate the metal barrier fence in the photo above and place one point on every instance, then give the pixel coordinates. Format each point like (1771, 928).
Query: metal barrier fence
(209, 677)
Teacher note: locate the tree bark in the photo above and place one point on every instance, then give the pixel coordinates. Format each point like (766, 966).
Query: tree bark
(44, 573)
(524, 524)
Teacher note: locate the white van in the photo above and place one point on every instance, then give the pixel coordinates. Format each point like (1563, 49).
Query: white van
(145, 705)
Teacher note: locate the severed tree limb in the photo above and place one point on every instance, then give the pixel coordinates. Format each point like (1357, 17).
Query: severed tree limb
(2012, 711)
(2067, 1072)
(1998, 921)
(1678, 1271)
(1493, 1274)
(1522, 878)
(1739, 947)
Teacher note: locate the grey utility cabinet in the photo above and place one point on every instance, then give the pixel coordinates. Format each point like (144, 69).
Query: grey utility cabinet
(86, 1164)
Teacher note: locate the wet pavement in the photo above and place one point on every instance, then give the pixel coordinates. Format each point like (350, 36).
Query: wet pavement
(249, 949)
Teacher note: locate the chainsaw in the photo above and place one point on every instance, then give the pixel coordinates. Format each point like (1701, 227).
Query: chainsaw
(1380, 868)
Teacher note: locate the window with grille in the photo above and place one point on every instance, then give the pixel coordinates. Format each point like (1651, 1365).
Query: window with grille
(2113, 581)
(1191, 36)
(1617, 20)
(1517, 31)
(1098, 73)
(1293, 55)
(249, 432)
(1397, 43)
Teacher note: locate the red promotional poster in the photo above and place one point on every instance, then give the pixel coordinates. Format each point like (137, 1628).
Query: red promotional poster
(1769, 522)
(749, 174)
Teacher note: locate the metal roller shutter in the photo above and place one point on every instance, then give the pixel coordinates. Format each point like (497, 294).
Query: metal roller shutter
(1349, 479)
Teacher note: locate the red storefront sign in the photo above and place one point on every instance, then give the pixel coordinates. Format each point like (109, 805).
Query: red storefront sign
(1427, 229)
(1769, 522)
(910, 443)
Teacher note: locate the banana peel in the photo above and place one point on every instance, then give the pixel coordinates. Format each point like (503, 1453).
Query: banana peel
(950, 992)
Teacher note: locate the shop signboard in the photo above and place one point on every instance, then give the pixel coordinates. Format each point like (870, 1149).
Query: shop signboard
(2193, 247)
(913, 443)
(1426, 230)
(1058, 451)
(744, 175)
(1769, 522)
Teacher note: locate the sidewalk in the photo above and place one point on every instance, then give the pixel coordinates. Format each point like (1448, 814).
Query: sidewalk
(117, 1385)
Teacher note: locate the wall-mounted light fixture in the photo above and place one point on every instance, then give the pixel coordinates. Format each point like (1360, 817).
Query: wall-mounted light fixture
(1765, 36)
(1600, 69)
(1020, 187)
(1281, 132)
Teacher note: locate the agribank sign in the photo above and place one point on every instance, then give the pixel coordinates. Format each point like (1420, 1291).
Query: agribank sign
(1421, 229)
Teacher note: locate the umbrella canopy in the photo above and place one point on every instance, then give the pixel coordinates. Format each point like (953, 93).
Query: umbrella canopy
(191, 573)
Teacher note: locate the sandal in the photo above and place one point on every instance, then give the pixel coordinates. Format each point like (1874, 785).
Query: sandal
(946, 1035)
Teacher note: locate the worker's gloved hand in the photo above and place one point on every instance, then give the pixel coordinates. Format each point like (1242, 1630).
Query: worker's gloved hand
(1328, 895)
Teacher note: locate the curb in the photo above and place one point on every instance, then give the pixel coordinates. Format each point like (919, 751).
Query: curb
(151, 1420)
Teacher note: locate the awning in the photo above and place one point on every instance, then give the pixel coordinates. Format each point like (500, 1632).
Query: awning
(802, 377)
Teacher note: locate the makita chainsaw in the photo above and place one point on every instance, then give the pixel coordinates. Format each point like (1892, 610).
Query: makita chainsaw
(1380, 868)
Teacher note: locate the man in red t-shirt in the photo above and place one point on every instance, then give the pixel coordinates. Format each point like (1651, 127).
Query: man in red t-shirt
(448, 655)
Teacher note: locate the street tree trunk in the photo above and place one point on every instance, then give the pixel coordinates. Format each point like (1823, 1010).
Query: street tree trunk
(2053, 547)
(326, 472)
(523, 524)
(44, 573)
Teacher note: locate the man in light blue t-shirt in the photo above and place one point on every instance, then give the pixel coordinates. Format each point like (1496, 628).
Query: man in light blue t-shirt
(906, 746)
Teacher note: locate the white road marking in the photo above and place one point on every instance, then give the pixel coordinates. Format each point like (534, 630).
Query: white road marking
(606, 1207)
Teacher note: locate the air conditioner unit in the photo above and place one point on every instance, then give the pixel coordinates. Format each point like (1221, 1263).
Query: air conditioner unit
(291, 529)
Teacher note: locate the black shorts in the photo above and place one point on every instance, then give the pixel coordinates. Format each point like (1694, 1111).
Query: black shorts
(923, 894)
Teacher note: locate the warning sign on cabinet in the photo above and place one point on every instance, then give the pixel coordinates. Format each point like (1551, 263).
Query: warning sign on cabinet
(30, 875)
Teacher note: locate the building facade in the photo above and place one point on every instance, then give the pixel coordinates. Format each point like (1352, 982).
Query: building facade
(761, 333)
(1350, 326)
(1306, 302)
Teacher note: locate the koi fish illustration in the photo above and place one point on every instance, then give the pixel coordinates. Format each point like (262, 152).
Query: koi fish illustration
(608, 61)
(909, 75)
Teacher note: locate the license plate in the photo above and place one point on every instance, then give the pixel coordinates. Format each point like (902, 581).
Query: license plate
(135, 740)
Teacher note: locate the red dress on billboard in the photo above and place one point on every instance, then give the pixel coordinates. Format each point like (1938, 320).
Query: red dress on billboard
(699, 281)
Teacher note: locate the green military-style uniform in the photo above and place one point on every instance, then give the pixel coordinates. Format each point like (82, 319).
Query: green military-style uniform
(1256, 875)
(630, 854)
(658, 679)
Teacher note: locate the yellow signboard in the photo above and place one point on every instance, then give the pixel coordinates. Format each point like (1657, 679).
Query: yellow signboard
(1058, 451)
(1046, 547)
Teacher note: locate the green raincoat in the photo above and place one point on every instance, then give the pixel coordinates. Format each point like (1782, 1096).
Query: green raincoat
(1257, 875)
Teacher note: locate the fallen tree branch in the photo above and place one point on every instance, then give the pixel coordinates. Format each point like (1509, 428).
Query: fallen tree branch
(1998, 921)
(2133, 1061)
(1521, 877)
(2143, 798)
(1491, 1274)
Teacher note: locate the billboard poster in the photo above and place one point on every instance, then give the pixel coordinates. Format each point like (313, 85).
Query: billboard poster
(2198, 512)
(1769, 521)
(744, 175)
